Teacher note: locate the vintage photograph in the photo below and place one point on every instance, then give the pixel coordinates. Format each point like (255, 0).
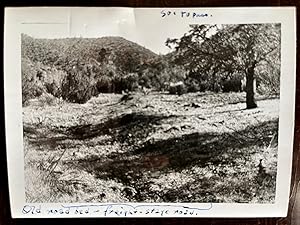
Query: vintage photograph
(193, 120)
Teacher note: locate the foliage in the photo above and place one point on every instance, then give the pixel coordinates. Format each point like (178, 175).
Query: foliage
(130, 82)
(159, 72)
(77, 69)
(269, 77)
(213, 53)
(79, 85)
(207, 58)
(31, 85)
(177, 88)
(232, 83)
(124, 54)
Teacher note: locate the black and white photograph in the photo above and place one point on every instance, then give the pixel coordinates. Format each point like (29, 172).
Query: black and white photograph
(131, 114)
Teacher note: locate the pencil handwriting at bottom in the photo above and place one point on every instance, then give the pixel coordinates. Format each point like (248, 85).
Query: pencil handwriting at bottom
(152, 210)
(118, 210)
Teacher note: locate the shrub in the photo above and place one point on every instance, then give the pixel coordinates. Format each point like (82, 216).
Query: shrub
(173, 90)
(31, 86)
(47, 99)
(268, 79)
(177, 88)
(130, 82)
(232, 85)
(53, 82)
(77, 86)
(104, 84)
(181, 89)
(145, 81)
(192, 85)
(204, 86)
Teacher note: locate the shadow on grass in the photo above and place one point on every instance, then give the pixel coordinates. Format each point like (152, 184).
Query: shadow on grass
(121, 127)
(136, 168)
(188, 148)
(208, 189)
(126, 128)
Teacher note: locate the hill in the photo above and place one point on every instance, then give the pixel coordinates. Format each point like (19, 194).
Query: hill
(55, 52)
(78, 68)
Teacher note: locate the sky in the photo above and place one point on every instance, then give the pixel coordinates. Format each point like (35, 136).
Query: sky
(145, 27)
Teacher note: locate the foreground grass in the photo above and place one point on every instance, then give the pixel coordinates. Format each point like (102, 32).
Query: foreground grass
(200, 147)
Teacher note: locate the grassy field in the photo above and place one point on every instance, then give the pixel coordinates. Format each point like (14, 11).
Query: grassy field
(198, 147)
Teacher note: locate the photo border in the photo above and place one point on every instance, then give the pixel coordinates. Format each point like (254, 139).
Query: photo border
(294, 153)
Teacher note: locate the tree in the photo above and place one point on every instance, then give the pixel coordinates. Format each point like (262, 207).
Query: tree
(78, 85)
(158, 72)
(219, 51)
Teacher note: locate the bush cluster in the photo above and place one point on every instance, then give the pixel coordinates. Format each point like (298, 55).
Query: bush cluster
(76, 69)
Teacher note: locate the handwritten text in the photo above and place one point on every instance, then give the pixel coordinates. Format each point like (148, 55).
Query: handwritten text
(183, 14)
(115, 210)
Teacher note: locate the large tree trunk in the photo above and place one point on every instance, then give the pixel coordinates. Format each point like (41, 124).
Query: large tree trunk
(250, 101)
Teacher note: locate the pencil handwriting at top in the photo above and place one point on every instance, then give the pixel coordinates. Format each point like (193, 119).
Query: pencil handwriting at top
(116, 210)
(183, 14)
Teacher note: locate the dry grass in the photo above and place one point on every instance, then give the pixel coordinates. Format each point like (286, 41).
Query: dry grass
(200, 147)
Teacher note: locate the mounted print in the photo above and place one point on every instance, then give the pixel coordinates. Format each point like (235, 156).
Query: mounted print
(148, 112)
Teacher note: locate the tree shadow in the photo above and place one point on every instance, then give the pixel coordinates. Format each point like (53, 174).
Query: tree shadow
(194, 147)
(121, 128)
(136, 168)
(126, 128)
(42, 137)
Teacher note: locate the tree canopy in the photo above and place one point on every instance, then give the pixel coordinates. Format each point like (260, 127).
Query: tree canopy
(221, 51)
